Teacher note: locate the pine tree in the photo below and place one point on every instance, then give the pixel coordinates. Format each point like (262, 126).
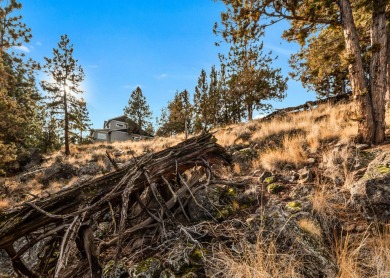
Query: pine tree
(138, 109)
(67, 77)
(20, 121)
(80, 119)
(13, 32)
(369, 85)
(200, 103)
(253, 79)
(177, 116)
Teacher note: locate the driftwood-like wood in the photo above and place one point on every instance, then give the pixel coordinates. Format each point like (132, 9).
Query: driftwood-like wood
(306, 105)
(68, 212)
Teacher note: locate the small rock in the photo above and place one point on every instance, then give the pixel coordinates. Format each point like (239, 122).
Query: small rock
(275, 188)
(305, 175)
(311, 160)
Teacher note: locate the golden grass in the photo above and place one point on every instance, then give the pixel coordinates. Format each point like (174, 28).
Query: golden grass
(4, 204)
(309, 226)
(347, 253)
(292, 152)
(259, 260)
(291, 138)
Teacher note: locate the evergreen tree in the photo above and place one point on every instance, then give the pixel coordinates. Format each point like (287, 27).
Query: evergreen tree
(177, 116)
(308, 19)
(138, 109)
(67, 77)
(80, 119)
(20, 119)
(201, 121)
(13, 32)
(252, 77)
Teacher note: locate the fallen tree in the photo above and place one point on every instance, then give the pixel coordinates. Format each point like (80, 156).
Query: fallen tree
(145, 193)
(307, 105)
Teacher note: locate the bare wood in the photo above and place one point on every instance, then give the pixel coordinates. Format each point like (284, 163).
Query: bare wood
(69, 208)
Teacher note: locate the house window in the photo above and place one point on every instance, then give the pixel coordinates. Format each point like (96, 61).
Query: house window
(121, 125)
(101, 136)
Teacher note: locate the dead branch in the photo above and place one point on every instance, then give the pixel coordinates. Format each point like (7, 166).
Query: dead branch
(66, 214)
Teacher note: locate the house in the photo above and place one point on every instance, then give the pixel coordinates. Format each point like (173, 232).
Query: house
(119, 129)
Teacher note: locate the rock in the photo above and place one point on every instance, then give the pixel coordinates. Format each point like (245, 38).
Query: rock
(149, 268)
(120, 271)
(265, 175)
(311, 160)
(58, 171)
(275, 188)
(6, 269)
(372, 192)
(167, 273)
(243, 157)
(248, 197)
(280, 227)
(305, 175)
(208, 200)
(92, 168)
(184, 258)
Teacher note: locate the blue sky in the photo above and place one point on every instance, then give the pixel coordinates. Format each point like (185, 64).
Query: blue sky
(157, 44)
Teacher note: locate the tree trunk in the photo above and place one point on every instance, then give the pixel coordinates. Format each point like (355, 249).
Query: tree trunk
(387, 97)
(250, 112)
(378, 68)
(66, 128)
(362, 98)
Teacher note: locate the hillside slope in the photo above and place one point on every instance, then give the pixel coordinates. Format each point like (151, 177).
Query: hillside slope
(301, 199)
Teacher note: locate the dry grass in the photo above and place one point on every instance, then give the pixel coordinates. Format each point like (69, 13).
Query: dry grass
(4, 204)
(292, 152)
(309, 226)
(261, 260)
(347, 253)
(380, 246)
(290, 139)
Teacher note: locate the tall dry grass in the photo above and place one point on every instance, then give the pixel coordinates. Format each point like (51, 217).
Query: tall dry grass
(261, 260)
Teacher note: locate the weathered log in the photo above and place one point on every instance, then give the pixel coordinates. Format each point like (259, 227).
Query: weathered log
(94, 196)
(306, 105)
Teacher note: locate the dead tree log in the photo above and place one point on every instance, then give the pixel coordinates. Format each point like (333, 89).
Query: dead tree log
(66, 213)
(306, 105)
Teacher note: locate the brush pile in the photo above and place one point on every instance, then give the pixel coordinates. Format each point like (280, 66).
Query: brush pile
(139, 201)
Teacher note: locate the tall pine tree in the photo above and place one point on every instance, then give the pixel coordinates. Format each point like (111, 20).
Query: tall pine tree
(67, 77)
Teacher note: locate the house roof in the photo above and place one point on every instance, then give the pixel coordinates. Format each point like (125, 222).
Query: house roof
(122, 118)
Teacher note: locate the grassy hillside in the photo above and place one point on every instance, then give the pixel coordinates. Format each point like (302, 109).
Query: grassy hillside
(300, 166)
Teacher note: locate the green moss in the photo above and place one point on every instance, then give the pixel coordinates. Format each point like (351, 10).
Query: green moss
(294, 206)
(275, 188)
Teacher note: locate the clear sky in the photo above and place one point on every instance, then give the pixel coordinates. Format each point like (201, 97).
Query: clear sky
(159, 45)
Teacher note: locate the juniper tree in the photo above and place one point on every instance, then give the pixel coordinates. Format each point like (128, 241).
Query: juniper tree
(66, 78)
(138, 109)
